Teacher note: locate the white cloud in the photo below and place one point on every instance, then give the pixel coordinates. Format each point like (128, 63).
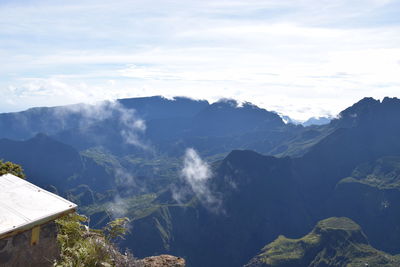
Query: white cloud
(131, 126)
(196, 173)
(287, 54)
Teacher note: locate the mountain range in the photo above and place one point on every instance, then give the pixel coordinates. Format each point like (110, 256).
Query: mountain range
(214, 183)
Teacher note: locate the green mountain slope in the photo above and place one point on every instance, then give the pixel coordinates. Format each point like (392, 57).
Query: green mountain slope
(333, 242)
(370, 196)
(263, 196)
(258, 200)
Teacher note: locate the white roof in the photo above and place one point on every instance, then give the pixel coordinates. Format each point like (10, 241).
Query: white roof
(24, 205)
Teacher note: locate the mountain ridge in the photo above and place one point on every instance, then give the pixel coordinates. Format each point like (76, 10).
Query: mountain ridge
(267, 179)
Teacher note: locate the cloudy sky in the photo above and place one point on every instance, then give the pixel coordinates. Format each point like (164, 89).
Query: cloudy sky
(299, 57)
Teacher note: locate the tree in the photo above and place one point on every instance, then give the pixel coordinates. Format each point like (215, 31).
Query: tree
(12, 168)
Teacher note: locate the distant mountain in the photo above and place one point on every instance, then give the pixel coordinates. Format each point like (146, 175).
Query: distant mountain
(226, 117)
(286, 119)
(168, 126)
(317, 121)
(333, 242)
(309, 122)
(157, 107)
(219, 126)
(26, 124)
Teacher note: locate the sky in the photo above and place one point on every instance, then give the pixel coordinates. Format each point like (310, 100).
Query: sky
(300, 58)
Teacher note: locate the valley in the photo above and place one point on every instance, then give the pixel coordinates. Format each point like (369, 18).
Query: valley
(215, 183)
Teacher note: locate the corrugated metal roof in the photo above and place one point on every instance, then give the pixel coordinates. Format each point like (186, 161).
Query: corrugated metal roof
(24, 205)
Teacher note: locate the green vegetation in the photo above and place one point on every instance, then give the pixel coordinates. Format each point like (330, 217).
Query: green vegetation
(134, 207)
(82, 247)
(116, 229)
(162, 169)
(12, 168)
(384, 173)
(333, 242)
(103, 158)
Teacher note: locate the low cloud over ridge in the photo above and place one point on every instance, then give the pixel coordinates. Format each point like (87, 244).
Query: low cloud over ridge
(196, 174)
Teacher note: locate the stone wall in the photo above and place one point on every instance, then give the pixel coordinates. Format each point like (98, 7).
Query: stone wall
(17, 251)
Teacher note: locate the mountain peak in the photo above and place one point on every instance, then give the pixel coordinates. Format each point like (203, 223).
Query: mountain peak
(337, 224)
(339, 230)
(391, 100)
(227, 115)
(369, 110)
(361, 106)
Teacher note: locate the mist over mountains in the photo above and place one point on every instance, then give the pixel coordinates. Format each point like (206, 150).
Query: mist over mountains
(215, 183)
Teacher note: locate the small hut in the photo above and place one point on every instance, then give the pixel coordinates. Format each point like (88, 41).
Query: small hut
(28, 234)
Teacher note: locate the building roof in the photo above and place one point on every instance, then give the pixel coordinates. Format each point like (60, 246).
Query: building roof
(24, 205)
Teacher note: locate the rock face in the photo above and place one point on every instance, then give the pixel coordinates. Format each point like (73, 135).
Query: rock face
(333, 242)
(163, 261)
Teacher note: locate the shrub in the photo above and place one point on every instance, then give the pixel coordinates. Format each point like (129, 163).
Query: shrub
(84, 247)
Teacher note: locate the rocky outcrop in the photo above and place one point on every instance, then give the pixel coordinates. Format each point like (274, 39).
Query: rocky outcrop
(163, 261)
